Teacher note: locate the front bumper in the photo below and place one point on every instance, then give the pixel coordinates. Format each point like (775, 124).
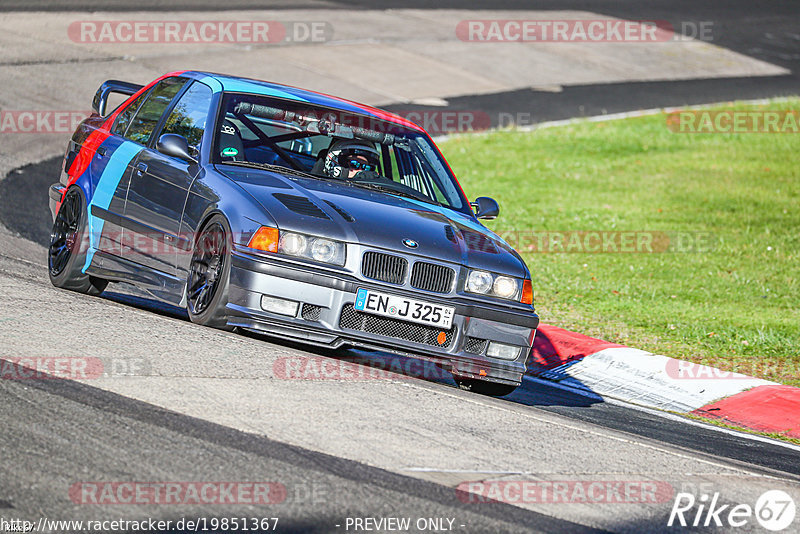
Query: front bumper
(325, 317)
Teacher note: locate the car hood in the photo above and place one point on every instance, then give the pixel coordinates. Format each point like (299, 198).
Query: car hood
(340, 210)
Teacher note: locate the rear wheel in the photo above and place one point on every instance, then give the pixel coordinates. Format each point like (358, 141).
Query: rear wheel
(483, 387)
(67, 251)
(209, 275)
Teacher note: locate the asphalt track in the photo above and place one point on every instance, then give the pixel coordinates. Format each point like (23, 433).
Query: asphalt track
(54, 432)
(764, 31)
(118, 427)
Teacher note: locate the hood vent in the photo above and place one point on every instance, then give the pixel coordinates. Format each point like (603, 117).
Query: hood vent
(346, 216)
(449, 233)
(301, 205)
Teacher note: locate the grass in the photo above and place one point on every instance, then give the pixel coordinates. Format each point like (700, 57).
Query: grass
(734, 306)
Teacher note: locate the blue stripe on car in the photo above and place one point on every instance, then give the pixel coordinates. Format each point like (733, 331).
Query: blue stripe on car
(105, 189)
(212, 82)
(237, 86)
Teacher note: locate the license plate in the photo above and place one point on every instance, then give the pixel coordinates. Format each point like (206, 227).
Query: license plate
(405, 309)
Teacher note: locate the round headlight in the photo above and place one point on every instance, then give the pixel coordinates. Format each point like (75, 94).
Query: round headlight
(479, 282)
(505, 287)
(294, 244)
(323, 250)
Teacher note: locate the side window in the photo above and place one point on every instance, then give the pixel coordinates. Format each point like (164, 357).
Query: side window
(145, 120)
(188, 117)
(124, 118)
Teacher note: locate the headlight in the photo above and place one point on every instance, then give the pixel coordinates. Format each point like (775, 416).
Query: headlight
(312, 248)
(479, 282)
(505, 287)
(299, 245)
(323, 250)
(292, 244)
(496, 285)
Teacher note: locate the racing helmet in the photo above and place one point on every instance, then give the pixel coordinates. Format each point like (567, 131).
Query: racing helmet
(342, 151)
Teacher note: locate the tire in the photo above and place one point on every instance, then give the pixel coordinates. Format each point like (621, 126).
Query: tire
(209, 275)
(484, 387)
(67, 253)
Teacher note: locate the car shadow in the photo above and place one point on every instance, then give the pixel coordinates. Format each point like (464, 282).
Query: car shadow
(540, 386)
(533, 391)
(128, 296)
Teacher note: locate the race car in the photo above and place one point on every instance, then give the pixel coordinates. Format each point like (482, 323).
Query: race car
(294, 214)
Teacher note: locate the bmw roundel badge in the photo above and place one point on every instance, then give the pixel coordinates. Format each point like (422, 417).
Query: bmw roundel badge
(410, 243)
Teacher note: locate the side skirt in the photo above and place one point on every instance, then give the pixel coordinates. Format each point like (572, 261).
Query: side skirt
(160, 285)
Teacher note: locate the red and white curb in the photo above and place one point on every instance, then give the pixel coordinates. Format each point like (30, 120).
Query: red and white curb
(635, 376)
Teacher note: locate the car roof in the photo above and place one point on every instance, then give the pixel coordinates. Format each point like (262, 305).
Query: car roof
(261, 87)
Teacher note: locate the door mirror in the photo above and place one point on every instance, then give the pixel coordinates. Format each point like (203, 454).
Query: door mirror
(174, 145)
(486, 208)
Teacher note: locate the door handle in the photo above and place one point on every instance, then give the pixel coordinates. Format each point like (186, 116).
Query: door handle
(141, 168)
(101, 151)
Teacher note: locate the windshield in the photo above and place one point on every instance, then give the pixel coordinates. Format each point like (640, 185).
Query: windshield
(270, 132)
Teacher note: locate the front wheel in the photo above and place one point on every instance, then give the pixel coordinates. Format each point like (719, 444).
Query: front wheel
(67, 251)
(483, 387)
(209, 275)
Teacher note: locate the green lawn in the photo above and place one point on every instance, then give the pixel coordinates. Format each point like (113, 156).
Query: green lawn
(735, 307)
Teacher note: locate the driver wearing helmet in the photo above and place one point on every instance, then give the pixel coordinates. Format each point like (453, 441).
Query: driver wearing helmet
(348, 157)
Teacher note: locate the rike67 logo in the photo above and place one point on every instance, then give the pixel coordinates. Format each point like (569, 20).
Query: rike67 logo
(774, 510)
